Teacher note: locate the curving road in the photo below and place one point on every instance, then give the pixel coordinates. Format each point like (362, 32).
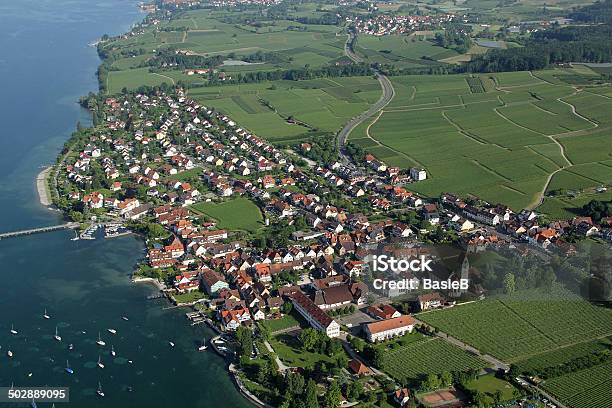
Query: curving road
(387, 94)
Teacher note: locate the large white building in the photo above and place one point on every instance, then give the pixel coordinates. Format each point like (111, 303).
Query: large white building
(418, 174)
(316, 317)
(386, 329)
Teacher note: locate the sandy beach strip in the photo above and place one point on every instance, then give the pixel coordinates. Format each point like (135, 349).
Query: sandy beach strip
(41, 186)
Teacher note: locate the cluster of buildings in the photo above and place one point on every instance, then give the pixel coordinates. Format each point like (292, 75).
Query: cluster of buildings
(387, 24)
(175, 152)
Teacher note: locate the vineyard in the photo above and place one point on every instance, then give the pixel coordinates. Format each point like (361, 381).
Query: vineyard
(562, 355)
(428, 356)
(590, 388)
(475, 84)
(514, 328)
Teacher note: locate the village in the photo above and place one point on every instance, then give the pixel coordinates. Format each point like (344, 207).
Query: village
(156, 156)
(399, 24)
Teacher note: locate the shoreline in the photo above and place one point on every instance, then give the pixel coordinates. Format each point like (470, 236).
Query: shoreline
(45, 199)
(44, 195)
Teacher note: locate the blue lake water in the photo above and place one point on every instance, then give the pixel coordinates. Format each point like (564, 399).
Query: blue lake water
(45, 66)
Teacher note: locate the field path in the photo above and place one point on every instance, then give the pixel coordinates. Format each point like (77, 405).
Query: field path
(164, 76)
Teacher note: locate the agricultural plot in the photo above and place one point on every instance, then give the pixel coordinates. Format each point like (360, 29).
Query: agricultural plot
(236, 214)
(515, 328)
(589, 388)
(428, 356)
(285, 111)
(491, 135)
(401, 50)
(562, 355)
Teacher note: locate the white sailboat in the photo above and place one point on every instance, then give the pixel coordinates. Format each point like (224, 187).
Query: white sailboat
(57, 336)
(112, 331)
(203, 346)
(45, 315)
(171, 343)
(100, 363)
(68, 369)
(9, 353)
(99, 342)
(13, 331)
(99, 390)
(113, 353)
(125, 318)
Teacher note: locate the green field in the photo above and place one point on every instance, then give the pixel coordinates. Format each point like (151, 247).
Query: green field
(589, 388)
(493, 135)
(489, 385)
(288, 349)
(322, 105)
(284, 322)
(235, 214)
(428, 356)
(209, 33)
(404, 51)
(563, 355)
(524, 325)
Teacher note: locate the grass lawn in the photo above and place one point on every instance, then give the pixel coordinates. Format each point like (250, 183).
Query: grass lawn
(283, 323)
(235, 214)
(189, 297)
(288, 349)
(489, 385)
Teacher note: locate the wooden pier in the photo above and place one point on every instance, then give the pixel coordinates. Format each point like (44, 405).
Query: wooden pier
(14, 234)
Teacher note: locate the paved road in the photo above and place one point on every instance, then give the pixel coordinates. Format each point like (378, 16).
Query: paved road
(387, 94)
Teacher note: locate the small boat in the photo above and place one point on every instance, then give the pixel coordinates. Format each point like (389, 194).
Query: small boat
(112, 331)
(100, 363)
(71, 347)
(29, 374)
(68, 369)
(203, 346)
(13, 331)
(131, 361)
(45, 315)
(99, 342)
(171, 344)
(125, 318)
(99, 390)
(9, 353)
(113, 353)
(57, 336)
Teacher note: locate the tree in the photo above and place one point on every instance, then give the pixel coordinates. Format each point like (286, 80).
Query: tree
(431, 382)
(376, 356)
(244, 336)
(354, 390)
(309, 338)
(333, 396)
(446, 378)
(509, 283)
(295, 383)
(498, 396)
(311, 395)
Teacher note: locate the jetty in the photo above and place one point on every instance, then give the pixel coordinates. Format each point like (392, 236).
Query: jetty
(15, 234)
